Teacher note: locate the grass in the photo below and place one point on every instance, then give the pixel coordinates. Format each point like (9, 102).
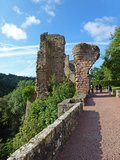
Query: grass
(116, 88)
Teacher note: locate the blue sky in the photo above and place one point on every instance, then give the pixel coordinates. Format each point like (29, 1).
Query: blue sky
(22, 22)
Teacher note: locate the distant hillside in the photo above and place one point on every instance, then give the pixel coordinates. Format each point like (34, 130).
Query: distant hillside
(8, 82)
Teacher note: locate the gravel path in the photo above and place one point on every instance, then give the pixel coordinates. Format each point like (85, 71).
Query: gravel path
(97, 136)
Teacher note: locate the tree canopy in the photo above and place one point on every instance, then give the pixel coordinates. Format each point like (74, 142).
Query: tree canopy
(9, 82)
(12, 113)
(112, 55)
(109, 70)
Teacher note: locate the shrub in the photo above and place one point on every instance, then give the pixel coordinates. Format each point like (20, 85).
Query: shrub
(27, 92)
(43, 112)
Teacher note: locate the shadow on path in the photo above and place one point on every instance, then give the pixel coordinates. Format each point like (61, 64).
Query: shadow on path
(84, 144)
(90, 101)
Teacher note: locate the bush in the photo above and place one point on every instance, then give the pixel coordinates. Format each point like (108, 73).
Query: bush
(27, 92)
(42, 113)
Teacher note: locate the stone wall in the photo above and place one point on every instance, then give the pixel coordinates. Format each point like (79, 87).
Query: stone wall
(47, 144)
(50, 61)
(85, 56)
(69, 69)
(66, 104)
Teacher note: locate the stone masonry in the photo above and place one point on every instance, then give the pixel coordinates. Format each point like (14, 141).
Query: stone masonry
(50, 61)
(69, 69)
(85, 56)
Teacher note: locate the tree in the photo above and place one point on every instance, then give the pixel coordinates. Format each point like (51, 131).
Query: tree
(9, 82)
(28, 92)
(12, 111)
(17, 101)
(112, 55)
(97, 73)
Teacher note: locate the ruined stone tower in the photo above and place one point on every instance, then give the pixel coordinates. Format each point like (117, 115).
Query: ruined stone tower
(85, 56)
(50, 61)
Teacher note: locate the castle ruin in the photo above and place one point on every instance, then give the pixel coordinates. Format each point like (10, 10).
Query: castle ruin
(85, 56)
(50, 61)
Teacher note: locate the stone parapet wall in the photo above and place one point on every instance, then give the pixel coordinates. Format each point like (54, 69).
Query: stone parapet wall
(47, 144)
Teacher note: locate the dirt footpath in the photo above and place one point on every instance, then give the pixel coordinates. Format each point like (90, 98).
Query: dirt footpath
(97, 136)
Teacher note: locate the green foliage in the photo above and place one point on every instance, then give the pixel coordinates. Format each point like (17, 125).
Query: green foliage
(43, 112)
(5, 117)
(9, 82)
(6, 148)
(27, 92)
(105, 83)
(52, 82)
(112, 55)
(110, 68)
(115, 88)
(97, 73)
(12, 110)
(17, 102)
(102, 73)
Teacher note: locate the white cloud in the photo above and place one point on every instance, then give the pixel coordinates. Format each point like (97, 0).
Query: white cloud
(30, 21)
(17, 54)
(26, 56)
(17, 10)
(23, 59)
(9, 47)
(49, 10)
(12, 31)
(36, 1)
(57, 1)
(53, 1)
(95, 43)
(13, 51)
(9, 50)
(105, 19)
(49, 6)
(47, 1)
(100, 29)
(29, 70)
